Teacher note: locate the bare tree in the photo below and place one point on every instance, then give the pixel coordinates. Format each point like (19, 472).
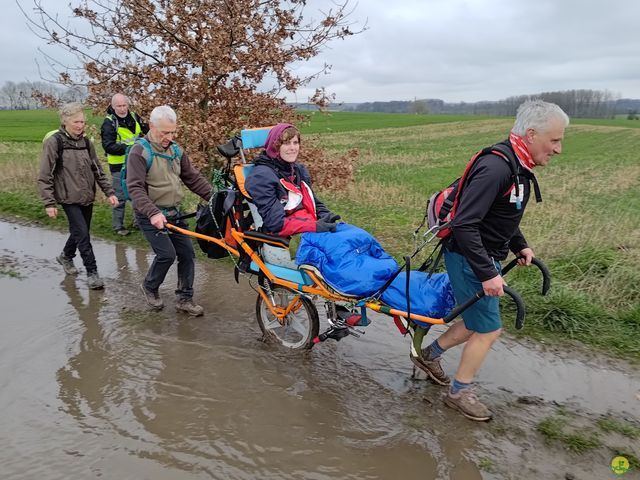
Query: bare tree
(10, 94)
(419, 107)
(223, 64)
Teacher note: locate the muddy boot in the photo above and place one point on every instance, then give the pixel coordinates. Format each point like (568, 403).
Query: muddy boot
(468, 403)
(152, 298)
(94, 281)
(67, 264)
(187, 306)
(432, 368)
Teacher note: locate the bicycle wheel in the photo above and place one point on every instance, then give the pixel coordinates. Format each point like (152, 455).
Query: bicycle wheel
(300, 325)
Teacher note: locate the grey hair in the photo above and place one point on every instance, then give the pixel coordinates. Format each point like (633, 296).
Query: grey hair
(163, 112)
(113, 99)
(537, 114)
(68, 110)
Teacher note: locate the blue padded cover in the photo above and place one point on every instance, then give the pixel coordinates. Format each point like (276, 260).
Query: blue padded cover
(430, 296)
(284, 273)
(350, 259)
(255, 137)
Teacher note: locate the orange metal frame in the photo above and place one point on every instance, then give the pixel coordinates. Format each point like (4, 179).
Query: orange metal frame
(318, 288)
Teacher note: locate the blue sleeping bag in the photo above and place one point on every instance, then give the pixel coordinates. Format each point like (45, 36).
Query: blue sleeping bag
(351, 260)
(431, 296)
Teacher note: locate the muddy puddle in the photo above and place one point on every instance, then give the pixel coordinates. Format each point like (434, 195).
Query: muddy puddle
(94, 385)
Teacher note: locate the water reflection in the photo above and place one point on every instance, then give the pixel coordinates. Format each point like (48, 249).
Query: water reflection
(127, 270)
(92, 374)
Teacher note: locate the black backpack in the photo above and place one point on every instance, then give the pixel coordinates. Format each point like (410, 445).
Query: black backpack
(213, 220)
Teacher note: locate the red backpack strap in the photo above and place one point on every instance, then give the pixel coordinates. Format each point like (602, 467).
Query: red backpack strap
(450, 203)
(503, 151)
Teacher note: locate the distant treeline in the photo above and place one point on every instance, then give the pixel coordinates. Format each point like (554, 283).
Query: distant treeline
(20, 95)
(577, 103)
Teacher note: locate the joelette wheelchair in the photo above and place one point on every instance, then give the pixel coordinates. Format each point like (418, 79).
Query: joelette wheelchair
(286, 305)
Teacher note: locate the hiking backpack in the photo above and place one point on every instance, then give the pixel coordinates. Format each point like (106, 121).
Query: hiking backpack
(177, 154)
(57, 134)
(442, 205)
(216, 218)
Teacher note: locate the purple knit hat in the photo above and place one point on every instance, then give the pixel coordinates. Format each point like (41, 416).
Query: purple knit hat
(274, 134)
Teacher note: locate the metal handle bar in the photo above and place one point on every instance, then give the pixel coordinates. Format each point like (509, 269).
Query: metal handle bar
(546, 275)
(520, 309)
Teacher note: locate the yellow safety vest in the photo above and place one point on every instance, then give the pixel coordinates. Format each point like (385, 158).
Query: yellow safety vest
(123, 135)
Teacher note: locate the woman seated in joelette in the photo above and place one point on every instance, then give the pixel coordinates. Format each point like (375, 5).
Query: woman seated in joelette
(281, 188)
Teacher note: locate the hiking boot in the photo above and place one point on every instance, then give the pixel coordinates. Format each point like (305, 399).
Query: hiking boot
(187, 306)
(432, 368)
(94, 281)
(67, 264)
(152, 298)
(468, 403)
(123, 232)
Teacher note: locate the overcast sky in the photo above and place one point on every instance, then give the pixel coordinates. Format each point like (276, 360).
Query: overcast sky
(454, 50)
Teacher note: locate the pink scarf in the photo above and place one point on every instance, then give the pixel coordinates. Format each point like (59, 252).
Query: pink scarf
(522, 152)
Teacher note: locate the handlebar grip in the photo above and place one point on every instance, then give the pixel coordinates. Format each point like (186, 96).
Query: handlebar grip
(520, 308)
(461, 308)
(546, 275)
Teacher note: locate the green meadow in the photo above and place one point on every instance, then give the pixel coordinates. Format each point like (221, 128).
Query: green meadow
(32, 125)
(587, 229)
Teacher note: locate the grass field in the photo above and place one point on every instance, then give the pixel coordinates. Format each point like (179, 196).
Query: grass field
(587, 229)
(31, 125)
(332, 122)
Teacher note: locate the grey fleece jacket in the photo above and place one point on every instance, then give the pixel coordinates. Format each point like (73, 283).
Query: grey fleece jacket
(160, 187)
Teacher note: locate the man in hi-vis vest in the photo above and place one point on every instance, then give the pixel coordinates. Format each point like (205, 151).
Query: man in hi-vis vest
(119, 130)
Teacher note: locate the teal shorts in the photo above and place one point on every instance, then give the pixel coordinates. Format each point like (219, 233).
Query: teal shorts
(484, 315)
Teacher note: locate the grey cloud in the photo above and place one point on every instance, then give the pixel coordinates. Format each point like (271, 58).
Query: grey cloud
(457, 50)
(487, 50)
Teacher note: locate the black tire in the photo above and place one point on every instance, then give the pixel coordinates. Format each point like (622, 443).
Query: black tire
(300, 327)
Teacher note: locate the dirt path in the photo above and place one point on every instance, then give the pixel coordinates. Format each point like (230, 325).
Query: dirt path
(93, 384)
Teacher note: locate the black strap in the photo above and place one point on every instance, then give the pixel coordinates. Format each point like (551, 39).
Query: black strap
(514, 164)
(61, 149)
(407, 261)
(424, 218)
(58, 167)
(184, 217)
(427, 263)
(511, 160)
(536, 188)
(438, 258)
(388, 282)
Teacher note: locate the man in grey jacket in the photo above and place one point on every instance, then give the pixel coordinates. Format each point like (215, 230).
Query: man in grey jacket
(156, 169)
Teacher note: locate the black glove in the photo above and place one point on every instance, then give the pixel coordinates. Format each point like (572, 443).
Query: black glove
(323, 226)
(330, 217)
